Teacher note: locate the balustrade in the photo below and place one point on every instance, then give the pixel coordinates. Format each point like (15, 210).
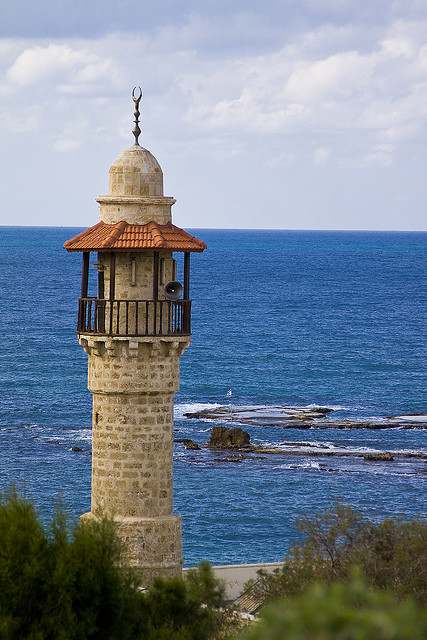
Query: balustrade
(134, 317)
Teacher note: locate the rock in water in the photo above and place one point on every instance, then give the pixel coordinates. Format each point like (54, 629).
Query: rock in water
(225, 438)
(188, 444)
(378, 457)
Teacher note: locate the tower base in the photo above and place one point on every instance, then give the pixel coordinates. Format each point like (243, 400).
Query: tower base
(152, 546)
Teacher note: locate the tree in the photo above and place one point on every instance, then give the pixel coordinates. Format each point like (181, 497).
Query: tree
(350, 611)
(390, 555)
(60, 586)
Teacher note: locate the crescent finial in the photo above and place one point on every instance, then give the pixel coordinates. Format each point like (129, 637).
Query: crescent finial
(136, 97)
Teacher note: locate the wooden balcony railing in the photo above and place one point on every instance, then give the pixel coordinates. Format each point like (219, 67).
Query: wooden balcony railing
(134, 317)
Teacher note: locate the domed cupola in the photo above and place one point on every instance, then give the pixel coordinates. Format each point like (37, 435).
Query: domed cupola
(136, 172)
(135, 192)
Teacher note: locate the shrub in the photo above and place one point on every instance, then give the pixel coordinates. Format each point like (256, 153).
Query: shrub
(390, 555)
(57, 586)
(340, 611)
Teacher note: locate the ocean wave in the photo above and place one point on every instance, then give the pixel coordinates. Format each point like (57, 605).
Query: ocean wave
(315, 445)
(21, 425)
(382, 471)
(78, 434)
(334, 407)
(412, 418)
(343, 469)
(190, 430)
(318, 446)
(314, 466)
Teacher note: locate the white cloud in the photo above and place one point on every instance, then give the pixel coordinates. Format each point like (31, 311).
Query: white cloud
(333, 77)
(376, 95)
(335, 96)
(68, 68)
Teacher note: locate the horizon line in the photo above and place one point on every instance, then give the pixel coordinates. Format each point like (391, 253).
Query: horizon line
(50, 226)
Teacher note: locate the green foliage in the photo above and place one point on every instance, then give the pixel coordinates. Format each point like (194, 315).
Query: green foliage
(171, 607)
(56, 586)
(390, 555)
(203, 585)
(350, 611)
(23, 548)
(61, 585)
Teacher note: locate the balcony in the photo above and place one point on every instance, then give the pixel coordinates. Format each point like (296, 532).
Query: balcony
(134, 318)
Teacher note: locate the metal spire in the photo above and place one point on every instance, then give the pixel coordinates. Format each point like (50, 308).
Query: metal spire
(136, 99)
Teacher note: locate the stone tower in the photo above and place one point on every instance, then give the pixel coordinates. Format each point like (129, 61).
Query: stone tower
(134, 322)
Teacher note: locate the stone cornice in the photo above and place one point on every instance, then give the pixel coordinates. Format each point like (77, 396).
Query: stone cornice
(142, 200)
(100, 345)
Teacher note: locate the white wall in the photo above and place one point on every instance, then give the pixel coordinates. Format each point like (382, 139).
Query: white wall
(235, 576)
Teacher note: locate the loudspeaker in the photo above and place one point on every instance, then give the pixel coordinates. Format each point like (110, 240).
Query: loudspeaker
(173, 290)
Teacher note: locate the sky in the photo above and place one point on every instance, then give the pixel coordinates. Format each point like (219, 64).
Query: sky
(288, 114)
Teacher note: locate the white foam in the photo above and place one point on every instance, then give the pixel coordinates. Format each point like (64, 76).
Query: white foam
(355, 450)
(320, 444)
(334, 407)
(78, 434)
(180, 430)
(371, 470)
(303, 465)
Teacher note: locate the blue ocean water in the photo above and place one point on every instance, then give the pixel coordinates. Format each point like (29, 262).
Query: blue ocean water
(328, 318)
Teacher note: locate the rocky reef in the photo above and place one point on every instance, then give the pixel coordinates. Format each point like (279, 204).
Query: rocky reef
(237, 441)
(310, 417)
(255, 414)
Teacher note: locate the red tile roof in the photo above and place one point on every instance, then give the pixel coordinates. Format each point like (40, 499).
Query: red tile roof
(134, 237)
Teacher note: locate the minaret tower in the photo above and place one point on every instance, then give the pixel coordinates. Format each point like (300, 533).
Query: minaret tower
(134, 325)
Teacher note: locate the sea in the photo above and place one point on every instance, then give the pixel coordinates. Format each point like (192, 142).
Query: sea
(302, 318)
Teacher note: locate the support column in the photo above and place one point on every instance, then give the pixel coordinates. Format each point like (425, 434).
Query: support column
(81, 320)
(85, 274)
(112, 290)
(101, 284)
(187, 275)
(156, 261)
(112, 276)
(186, 301)
(155, 275)
(100, 306)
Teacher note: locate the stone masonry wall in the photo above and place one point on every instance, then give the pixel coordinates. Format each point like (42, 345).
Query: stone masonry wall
(132, 454)
(133, 383)
(139, 211)
(136, 172)
(143, 287)
(135, 367)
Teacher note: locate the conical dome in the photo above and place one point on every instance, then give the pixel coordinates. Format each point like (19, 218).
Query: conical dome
(136, 172)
